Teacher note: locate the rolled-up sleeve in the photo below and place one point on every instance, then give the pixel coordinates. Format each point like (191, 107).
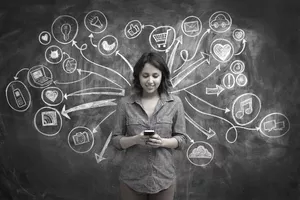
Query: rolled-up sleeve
(120, 125)
(179, 128)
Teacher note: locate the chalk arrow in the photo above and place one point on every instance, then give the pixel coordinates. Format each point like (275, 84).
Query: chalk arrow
(17, 74)
(243, 48)
(89, 105)
(184, 73)
(128, 63)
(91, 36)
(90, 72)
(217, 90)
(209, 133)
(171, 59)
(99, 157)
(95, 129)
(226, 110)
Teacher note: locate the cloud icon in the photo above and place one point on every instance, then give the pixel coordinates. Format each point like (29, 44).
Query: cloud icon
(200, 152)
(220, 21)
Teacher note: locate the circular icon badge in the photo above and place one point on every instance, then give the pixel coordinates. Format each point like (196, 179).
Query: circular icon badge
(133, 29)
(45, 38)
(69, 65)
(162, 37)
(228, 81)
(108, 45)
(52, 96)
(18, 96)
(47, 121)
(220, 22)
(274, 125)
(40, 76)
(53, 54)
(241, 80)
(81, 139)
(238, 34)
(237, 67)
(64, 29)
(95, 21)
(191, 26)
(222, 50)
(245, 108)
(200, 153)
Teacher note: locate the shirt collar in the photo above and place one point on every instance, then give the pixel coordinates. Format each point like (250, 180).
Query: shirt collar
(164, 97)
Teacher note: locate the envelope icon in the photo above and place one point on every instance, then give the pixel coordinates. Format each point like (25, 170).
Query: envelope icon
(191, 26)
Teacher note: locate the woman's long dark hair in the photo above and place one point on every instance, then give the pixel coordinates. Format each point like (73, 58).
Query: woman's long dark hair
(157, 61)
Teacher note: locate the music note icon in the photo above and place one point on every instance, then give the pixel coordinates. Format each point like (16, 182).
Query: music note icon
(244, 104)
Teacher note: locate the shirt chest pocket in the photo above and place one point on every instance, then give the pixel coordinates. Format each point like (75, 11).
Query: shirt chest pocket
(164, 126)
(134, 126)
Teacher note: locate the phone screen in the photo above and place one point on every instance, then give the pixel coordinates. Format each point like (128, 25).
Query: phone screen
(149, 132)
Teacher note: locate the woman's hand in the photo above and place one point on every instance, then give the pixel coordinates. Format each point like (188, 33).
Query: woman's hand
(141, 139)
(155, 141)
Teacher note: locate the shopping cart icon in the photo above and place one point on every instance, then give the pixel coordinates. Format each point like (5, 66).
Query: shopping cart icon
(161, 38)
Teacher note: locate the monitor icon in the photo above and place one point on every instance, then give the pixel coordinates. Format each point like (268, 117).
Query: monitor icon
(39, 76)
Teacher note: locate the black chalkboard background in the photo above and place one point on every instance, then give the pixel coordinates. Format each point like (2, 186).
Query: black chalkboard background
(39, 165)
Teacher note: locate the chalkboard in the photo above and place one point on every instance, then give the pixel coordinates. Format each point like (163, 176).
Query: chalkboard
(64, 65)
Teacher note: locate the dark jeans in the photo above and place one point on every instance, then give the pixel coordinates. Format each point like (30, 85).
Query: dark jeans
(129, 194)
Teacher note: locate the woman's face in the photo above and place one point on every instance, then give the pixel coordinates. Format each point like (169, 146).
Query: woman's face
(150, 79)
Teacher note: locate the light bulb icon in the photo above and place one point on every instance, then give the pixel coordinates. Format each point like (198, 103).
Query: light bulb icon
(66, 30)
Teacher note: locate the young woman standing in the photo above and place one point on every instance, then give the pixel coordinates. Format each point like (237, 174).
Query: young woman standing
(148, 170)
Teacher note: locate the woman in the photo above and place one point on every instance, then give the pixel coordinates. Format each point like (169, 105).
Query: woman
(148, 170)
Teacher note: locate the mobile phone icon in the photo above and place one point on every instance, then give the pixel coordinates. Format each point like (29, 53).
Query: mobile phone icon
(19, 98)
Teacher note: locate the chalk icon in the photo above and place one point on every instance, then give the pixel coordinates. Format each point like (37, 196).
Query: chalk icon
(81, 138)
(273, 125)
(244, 104)
(19, 98)
(39, 76)
(161, 38)
(49, 118)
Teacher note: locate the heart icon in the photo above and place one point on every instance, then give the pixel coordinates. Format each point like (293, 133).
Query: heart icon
(45, 37)
(222, 51)
(51, 95)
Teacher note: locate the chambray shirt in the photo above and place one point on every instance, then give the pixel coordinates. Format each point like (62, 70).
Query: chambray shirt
(146, 169)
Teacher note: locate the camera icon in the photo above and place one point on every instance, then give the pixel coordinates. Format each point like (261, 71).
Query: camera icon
(81, 138)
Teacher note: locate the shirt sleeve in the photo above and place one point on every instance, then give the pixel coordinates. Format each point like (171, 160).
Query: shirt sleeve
(179, 128)
(120, 125)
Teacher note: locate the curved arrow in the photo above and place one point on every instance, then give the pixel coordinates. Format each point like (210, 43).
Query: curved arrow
(103, 91)
(128, 63)
(95, 129)
(226, 110)
(217, 90)
(204, 113)
(99, 157)
(184, 73)
(91, 36)
(216, 68)
(67, 83)
(17, 74)
(243, 48)
(109, 69)
(209, 133)
(148, 25)
(82, 70)
(172, 56)
(185, 59)
(89, 105)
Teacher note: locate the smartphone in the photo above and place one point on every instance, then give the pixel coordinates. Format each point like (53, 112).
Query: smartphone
(149, 132)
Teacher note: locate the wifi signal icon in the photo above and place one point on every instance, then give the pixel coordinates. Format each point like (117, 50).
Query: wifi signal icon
(49, 118)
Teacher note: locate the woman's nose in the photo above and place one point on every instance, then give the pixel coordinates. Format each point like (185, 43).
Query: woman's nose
(150, 80)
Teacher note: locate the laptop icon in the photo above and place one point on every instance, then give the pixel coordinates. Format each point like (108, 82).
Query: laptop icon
(39, 76)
